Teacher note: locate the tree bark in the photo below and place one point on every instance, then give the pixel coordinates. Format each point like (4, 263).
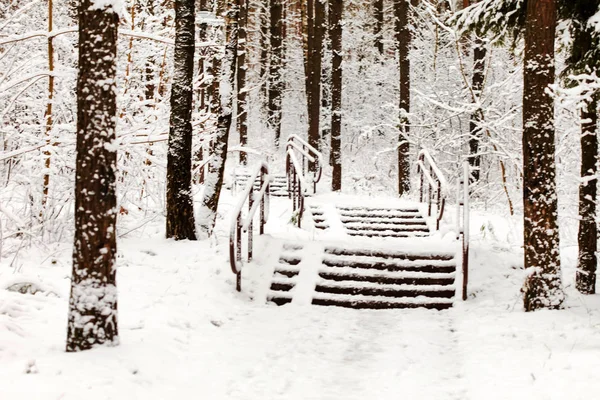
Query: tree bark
(336, 9)
(543, 288)
(403, 38)
(48, 113)
(242, 107)
(275, 79)
(587, 237)
(378, 11)
(180, 205)
(475, 133)
(315, 61)
(216, 167)
(93, 302)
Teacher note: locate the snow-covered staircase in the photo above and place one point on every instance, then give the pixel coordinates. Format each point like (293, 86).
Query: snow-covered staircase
(362, 221)
(347, 276)
(278, 187)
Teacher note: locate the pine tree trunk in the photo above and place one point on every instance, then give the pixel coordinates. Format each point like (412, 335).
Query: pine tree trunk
(315, 60)
(216, 167)
(275, 79)
(93, 302)
(242, 107)
(378, 11)
(403, 39)
(543, 288)
(588, 231)
(479, 54)
(180, 205)
(336, 10)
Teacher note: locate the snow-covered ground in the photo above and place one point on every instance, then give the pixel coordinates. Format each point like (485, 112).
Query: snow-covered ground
(186, 333)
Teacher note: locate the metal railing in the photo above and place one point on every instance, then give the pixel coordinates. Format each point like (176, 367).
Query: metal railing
(433, 186)
(239, 225)
(297, 172)
(462, 199)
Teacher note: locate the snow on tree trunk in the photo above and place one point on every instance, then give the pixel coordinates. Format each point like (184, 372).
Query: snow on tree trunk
(403, 39)
(543, 288)
(336, 10)
(275, 90)
(479, 54)
(378, 31)
(180, 205)
(242, 107)
(93, 302)
(216, 167)
(588, 231)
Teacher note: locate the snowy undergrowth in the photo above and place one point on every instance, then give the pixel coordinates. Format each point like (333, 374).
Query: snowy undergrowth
(186, 332)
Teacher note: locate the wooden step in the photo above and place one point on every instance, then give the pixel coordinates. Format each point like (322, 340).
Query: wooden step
(372, 234)
(387, 228)
(389, 266)
(377, 303)
(378, 209)
(384, 253)
(385, 221)
(377, 289)
(391, 279)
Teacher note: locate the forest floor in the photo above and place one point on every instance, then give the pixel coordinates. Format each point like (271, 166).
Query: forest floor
(186, 333)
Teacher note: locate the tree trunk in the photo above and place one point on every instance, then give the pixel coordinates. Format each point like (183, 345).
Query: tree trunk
(479, 54)
(588, 231)
(378, 11)
(336, 9)
(93, 302)
(264, 50)
(242, 107)
(48, 114)
(180, 205)
(403, 38)
(216, 167)
(315, 50)
(543, 288)
(275, 79)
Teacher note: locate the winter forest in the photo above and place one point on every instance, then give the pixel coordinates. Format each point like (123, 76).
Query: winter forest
(299, 199)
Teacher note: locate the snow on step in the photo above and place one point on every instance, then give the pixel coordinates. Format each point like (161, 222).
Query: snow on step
(348, 276)
(278, 186)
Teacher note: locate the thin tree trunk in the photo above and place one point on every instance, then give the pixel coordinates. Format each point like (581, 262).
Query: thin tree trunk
(242, 107)
(216, 167)
(275, 79)
(315, 45)
(403, 39)
(588, 231)
(543, 288)
(48, 114)
(93, 301)
(378, 11)
(336, 9)
(180, 205)
(479, 54)
(264, 49)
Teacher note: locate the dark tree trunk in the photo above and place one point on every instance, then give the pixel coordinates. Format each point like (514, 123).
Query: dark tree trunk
(275, 78)
(403, 39)
(543, 288)
(93, 301)
(242, 108)
(180, 205)
(265, 22)
(588, 231)
(315, 61)
(336, 9)
(216, 167)
(378, 11)
(479, 54)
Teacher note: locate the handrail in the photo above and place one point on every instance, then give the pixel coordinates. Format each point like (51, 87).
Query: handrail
(298, 185)
(437, 184)
(310, 153)
(239, 225)
(462, 190)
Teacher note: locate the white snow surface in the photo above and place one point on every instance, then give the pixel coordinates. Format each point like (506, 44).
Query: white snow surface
(186, 333)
